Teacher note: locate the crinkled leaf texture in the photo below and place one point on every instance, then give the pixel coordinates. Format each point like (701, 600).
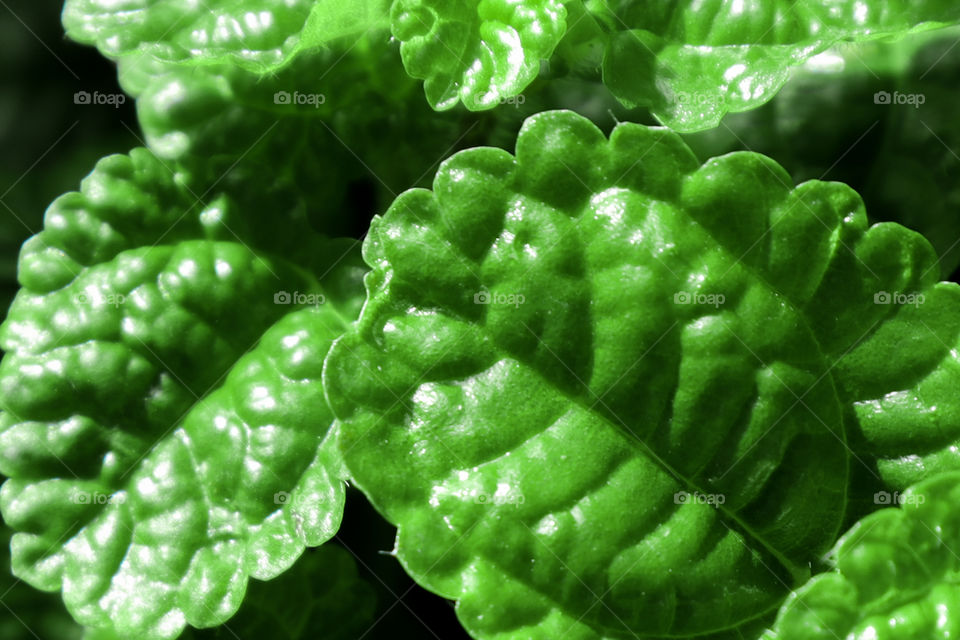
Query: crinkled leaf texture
(895, 576)
(36, 614)
(478, 52)
(164, 428)
(597, 385)
(904, 374)
(692, 62)
(321, 597)
(313, 129)
(259, 35)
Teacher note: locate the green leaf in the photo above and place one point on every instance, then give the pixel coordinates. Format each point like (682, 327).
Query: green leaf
(27, 613)
(895, 574)
(259, 36)
(320, 598)
(900, 155)
(164, 429)
(310, 130)
(692, 62)
(478, 52)
(560, 348)
(902, 376)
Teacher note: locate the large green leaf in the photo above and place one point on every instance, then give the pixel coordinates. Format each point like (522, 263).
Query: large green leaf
(478, 52)
(692, 62)
(260, 35)
(895, 576)
(560, 348)
(164, 429)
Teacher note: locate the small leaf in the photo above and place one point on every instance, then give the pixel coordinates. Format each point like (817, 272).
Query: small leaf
(895, 574)
(476, 51)
(692, 62)
(164, 431)
(260, 35)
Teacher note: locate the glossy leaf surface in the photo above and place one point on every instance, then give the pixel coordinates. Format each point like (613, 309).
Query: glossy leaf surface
(692, 62)
(164, 427)
(321, 597)
(478, 52)
(260, 35)
(615, 404)
(895, 575)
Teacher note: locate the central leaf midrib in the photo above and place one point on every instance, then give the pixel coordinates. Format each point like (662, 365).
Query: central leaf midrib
(636, 442)
(798, 572)
(230, 366)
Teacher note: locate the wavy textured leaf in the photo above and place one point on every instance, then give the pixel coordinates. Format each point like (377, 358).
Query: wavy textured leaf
(653, 309)
(900, 155)
(314, 129)
(260, 35)
(692, 62)
(476, 51)
(163, 416)
(895, 575)
(28, 613)
(320, 598)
